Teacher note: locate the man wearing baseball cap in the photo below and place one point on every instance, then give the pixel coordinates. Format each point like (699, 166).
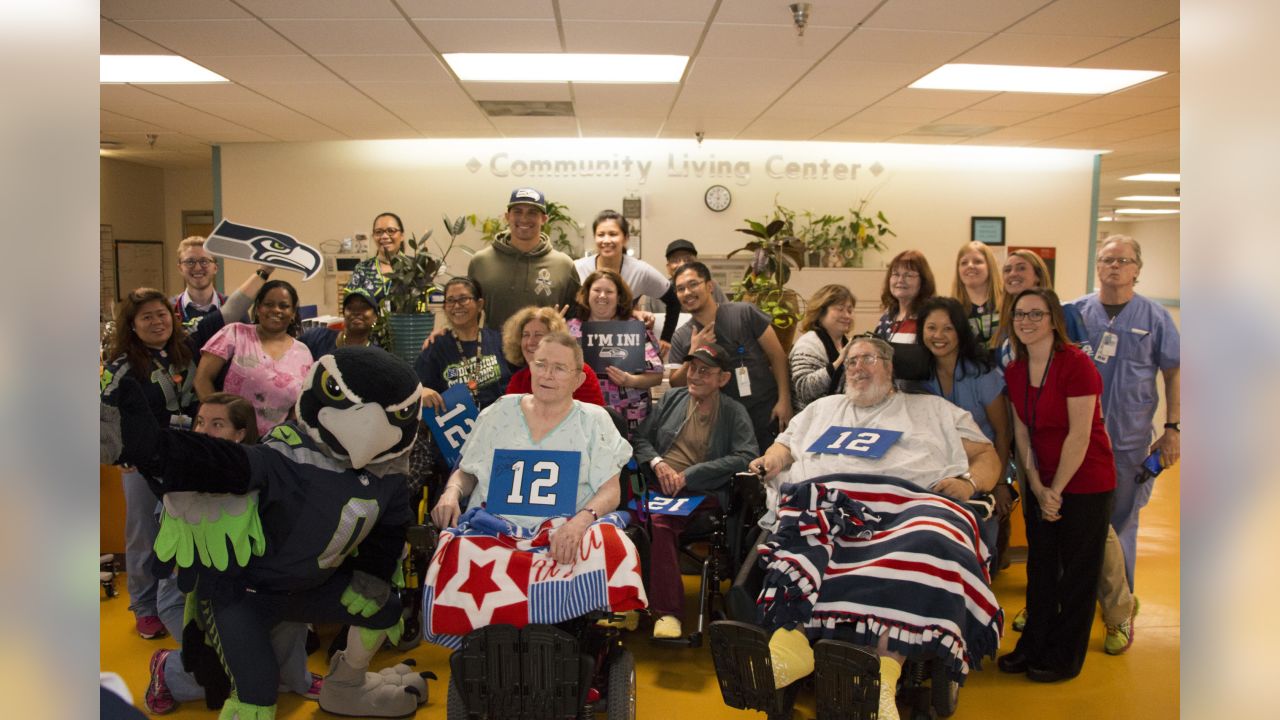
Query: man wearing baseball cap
(521, 268)
(694, 442)
(679, 252)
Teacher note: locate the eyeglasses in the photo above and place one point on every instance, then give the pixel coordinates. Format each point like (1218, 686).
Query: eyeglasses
(867, 360)
(1111, 261)
(555, 371)
(386, 231)
(1032, 315)
(459, 301)
(202, 262)
(701, 370)
(690, 286)
(904, 275)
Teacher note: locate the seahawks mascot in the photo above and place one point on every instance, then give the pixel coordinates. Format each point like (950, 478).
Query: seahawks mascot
(307, 526)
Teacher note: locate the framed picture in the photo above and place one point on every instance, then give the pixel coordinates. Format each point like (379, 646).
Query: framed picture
(988, 230)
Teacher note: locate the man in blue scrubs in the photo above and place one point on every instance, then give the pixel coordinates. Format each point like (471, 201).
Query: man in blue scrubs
(1132, 339)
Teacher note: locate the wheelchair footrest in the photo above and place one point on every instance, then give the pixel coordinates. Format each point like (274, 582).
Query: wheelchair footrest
(846, 681)
(745, 671)
(535, 673)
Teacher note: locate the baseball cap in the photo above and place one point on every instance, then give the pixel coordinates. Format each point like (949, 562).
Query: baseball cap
(713, 354)
(359, 293)
(679, 246)
(528, 196)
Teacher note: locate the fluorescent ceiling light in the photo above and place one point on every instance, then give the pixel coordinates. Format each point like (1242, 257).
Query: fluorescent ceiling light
(143, 69)
(1030, 79)
(1155, 177)
(566, 67)
(1150, 198)
(1106, 218)
(1146, 211)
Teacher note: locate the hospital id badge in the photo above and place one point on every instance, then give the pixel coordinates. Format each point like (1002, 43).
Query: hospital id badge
(1106, 347)
(744, 381)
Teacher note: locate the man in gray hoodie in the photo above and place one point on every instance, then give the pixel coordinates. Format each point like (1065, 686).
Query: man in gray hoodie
(521, 268)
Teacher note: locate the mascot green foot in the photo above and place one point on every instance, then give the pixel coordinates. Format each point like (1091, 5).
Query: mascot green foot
(350, 690)
(233, 709)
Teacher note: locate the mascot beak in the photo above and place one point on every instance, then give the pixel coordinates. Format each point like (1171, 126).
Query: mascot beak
(364, 427)
(301, 258)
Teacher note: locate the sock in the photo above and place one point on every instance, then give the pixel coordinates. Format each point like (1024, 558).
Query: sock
(890, 671)
(792, 656)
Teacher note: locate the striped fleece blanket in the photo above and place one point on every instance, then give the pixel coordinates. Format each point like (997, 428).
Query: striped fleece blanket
(872, 554)
(489, 571)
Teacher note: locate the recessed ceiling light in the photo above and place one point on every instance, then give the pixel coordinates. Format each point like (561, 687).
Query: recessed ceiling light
(147, 69)
(1155, 177)
(1146, 211)
(1150, 198)
(566, 67)
(1031, 79)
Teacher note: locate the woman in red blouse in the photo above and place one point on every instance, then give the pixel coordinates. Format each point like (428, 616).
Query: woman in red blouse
(1058, 431)
(521, 334)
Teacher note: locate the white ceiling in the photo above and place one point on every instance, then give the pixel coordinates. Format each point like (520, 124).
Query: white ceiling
(305, 70)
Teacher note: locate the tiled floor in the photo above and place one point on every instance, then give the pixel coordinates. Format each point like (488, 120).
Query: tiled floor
(681, 683)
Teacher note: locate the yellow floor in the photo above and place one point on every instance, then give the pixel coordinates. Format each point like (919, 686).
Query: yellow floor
(681, 683)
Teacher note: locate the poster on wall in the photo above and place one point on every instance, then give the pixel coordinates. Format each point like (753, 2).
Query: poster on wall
(987, 230)
(1047, 254)
(618, 344)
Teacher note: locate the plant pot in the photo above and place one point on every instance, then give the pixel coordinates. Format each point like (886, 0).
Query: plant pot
(408, 332)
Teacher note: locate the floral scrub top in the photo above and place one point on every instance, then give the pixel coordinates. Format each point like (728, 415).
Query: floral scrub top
(633, 403)
(271, 386)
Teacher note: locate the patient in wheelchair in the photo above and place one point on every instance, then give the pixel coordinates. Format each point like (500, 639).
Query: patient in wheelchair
(873, 539)
(540, 541)
(694, 442)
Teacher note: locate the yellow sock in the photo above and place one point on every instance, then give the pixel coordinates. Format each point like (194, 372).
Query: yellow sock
(792, 656)
(890, 671)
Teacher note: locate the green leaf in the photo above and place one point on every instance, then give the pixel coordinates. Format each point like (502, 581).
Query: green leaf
(774, 227)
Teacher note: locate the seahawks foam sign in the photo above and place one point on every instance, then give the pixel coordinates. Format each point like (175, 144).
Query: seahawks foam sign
(263, 247)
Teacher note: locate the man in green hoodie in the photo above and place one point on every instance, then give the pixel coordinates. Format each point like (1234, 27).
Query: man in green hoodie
(521, 268)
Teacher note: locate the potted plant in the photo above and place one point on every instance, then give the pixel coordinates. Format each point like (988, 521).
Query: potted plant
(863, 232)
(774, 253)
(411, 283)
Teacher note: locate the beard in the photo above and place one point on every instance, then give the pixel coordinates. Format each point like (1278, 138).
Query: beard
(873, 394)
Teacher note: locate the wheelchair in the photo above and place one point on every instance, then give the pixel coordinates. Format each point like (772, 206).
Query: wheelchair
(846, 678)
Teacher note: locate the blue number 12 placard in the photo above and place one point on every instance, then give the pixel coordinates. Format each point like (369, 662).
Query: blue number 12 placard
(451, 427)
(870, 443)
(540, 483)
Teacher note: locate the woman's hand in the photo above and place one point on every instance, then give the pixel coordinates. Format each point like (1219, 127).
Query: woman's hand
(440, 330)
(618, 377)
(1051, 504)
(432, 399)
(645, 317)
(445, 513)
(567, 538)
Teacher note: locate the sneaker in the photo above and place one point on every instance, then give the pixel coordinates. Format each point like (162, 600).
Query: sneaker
(313, 692)
(1020, 620)
(668, 626)
(150, 627)
(1120, 637)
(158, 700)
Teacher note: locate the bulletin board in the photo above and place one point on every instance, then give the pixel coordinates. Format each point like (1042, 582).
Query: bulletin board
(139, 263)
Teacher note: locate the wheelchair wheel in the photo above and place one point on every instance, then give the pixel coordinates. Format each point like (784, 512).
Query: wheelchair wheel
(622, 686)
(944, 691)
(455, 709)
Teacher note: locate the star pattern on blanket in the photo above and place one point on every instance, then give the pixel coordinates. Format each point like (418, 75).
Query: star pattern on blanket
(483, 586)
(479, 582)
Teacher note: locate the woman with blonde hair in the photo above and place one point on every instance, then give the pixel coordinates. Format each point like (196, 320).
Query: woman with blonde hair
(979, 291)
(521, 334)
(1025, 270)
(817, 355)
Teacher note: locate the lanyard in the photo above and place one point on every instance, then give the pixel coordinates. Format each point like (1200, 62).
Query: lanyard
(1034, 410)
(470, 376)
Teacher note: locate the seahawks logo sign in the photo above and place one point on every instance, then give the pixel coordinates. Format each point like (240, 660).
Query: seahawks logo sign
(263, 247)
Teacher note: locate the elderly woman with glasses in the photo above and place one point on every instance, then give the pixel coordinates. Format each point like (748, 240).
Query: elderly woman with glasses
(373, 275)
(907, 284)
(1063, 445)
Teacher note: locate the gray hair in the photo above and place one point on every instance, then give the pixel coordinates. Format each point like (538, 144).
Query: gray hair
(1123, 240)
(883, 349)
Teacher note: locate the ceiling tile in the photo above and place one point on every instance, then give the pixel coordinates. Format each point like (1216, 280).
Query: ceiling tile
(1138, 54)
(416, 102)
(110, 123)
(1071, 121)
(768, 41)
(713, 127)
(1019, 135)
(205, 95)
(170, 9)
(1168, 31)
(846, 14)
(491, 35)
(939, 99)
(620, 127)
(776, 128)
(623, 100)
(956, 15)
(898, 75)
(886, 114)
(518, 91)
(326, 9)
(665, 10)
(847, 97)
(863, 131)
(116, 39)
(1043, 50)
(495, 9)
(337, 105)
(744, 78)
(1003, 118)
(353, 37)
(270, 118)
(651, 38)
(1100, 17)
(387, 68)
(907, 46)
(1030, 102)
(213, 37)
(1165, 86)
(249, 69)
(1122, 103)
(517, 127)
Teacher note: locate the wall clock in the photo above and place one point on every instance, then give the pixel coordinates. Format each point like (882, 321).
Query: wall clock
(718, 198)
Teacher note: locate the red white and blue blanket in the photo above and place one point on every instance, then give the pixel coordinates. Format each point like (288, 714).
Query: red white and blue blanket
(490, 571)
(867, 554)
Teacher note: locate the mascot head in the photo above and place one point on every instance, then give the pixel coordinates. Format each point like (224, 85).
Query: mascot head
(361, 404)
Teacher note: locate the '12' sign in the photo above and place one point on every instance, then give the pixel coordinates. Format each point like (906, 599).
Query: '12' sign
(870, 443)
(451, 427)
(539, 483)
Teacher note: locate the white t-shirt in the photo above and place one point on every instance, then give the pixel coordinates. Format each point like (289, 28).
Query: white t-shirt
(587, 429)
(929, 450)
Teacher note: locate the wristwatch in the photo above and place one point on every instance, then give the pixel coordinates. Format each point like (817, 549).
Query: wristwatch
(264, 274)
(1172, 426)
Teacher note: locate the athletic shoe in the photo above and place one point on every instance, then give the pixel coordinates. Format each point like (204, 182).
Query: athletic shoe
(1120, 637)
(150, 627)
(158, 700)
(313, 693)
(1020, 620)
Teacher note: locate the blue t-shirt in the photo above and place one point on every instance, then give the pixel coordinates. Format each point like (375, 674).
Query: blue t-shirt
(972, 390)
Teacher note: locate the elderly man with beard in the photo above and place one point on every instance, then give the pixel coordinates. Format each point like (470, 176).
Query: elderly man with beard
(910, 586)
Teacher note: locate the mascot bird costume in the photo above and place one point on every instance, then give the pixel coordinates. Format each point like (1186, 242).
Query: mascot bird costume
(307, 526)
